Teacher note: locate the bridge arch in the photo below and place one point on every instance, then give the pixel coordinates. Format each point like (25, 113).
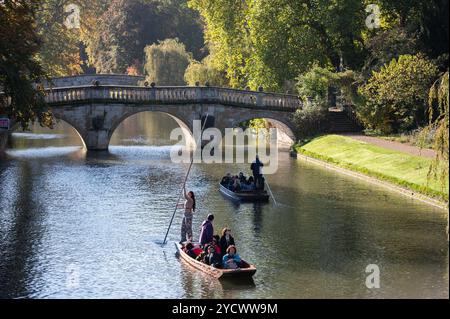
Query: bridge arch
(287, 137)
(182, 122)
(60, 117)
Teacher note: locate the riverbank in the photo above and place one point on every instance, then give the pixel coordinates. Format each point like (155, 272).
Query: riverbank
(405, 171)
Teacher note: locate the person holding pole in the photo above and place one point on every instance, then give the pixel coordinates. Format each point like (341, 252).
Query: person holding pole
(189, 209)
(256, 168)
(189, 205)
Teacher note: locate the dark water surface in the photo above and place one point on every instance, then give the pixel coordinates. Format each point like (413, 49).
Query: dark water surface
(74, 225)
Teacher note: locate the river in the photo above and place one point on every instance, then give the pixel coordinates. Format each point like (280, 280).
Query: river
(79, 225)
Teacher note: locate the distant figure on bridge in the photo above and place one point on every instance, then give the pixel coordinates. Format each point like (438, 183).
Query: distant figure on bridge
(256, 168)
(189, 209)
(207, 231)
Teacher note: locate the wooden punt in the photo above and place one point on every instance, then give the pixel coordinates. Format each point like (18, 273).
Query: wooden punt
(246, 272)
(245, 196)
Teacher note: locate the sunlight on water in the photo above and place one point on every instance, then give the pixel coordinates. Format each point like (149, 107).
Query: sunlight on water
(43, 152)
(35, 136)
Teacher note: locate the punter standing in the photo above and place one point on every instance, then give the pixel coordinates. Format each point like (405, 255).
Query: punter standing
(256, 168)
(189, 209)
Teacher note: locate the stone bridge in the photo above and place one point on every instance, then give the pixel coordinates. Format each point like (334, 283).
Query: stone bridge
(96, 105)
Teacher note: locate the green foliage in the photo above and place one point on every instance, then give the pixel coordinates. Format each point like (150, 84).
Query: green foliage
(395, 98)
(310, 121)
(438, 124)
(315, 84)
(268, 43)
(388, 45)
(166, 62)
(426, 20)
(256, 124)
(204, 72)
(19, 70)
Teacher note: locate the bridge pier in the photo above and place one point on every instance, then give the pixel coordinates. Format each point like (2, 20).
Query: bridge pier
(97, 140)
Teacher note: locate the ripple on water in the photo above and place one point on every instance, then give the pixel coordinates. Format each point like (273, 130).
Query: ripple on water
(44, 152)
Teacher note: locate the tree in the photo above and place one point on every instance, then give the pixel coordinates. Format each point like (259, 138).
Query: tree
(227, 36)
(438, 123)
(166, 62)
(395, 97)
(269, 43)
(315, 85)
(114, 46)
(204, 72)
(387, 45)
(60, 50)
(117, 37)
(19, 69)
(427, 19)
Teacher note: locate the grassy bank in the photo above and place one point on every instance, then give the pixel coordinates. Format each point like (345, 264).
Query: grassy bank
(398, 168)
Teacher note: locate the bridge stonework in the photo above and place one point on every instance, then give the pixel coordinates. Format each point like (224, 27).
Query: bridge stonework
(95, 110)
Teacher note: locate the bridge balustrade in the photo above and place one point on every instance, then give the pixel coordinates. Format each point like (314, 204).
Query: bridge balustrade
(176, 95)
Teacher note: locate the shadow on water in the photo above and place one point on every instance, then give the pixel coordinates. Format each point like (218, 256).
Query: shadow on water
(19, 252)
(237, 283)
(196, 284)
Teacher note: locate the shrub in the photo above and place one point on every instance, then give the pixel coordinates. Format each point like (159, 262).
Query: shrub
(314, 85)
(310, 121)
(395, 97)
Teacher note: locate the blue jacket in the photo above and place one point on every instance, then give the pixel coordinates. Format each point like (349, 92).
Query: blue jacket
(207, 233)
(236, 258)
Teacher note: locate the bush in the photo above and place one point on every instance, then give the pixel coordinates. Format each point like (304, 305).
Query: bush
(166, 62)
(311, 121)
(395, 97)
(204, 72)
(314, 85)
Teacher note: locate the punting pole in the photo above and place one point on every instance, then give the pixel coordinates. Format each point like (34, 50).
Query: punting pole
(184, 184)
(271, 194)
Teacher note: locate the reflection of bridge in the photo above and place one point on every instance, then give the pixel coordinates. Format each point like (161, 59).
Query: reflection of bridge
(96, 105)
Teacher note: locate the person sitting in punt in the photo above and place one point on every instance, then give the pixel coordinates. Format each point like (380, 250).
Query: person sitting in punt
(242, 178)
(216, 243)
(251, 183)
(192, 251)
(226, 240)
(212, 258)
(226, 180)
(236, 184)
(231, 260)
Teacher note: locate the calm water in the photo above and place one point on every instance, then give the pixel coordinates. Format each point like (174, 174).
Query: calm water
(80, 225)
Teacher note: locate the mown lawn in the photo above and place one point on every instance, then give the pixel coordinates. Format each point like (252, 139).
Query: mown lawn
(399, 168)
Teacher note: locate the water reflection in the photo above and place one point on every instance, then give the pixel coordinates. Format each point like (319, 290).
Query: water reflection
(18, 253)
